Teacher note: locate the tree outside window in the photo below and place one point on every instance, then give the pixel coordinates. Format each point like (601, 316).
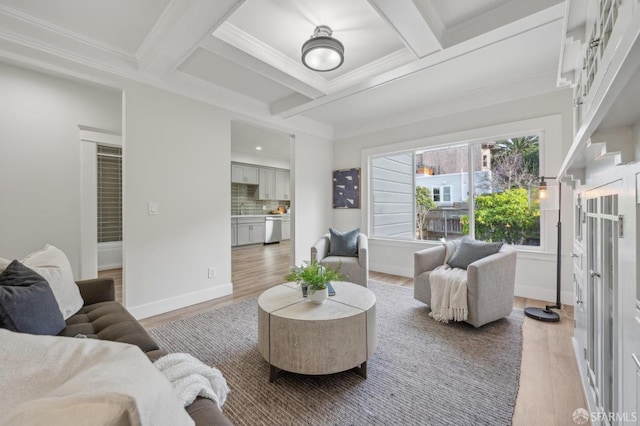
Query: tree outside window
(510, 210)
(424, 204)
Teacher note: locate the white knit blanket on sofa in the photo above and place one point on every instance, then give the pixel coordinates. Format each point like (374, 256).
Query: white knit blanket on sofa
(191, 378)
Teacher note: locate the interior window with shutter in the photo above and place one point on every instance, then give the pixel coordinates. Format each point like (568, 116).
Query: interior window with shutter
(109, 194)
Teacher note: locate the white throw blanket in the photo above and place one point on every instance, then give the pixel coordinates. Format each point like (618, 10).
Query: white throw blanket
(191, 378)
(448, 291)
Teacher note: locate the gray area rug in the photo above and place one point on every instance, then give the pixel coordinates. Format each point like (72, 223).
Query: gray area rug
(422, 373)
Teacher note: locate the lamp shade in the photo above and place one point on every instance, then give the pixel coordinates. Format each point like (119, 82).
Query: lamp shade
(322, 52)
(543, 189)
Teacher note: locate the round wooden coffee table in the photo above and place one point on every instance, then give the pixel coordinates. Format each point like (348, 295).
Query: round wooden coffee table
(298, 336)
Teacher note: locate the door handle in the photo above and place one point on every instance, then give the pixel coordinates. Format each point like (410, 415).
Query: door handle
(594, 273)
(574, 255)
(637, 361)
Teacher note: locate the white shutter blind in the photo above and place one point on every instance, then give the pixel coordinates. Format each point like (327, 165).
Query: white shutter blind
(109, 194)
(393, 197)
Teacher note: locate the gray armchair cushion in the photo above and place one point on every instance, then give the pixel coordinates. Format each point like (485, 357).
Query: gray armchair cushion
(471, 250)
(343, 243)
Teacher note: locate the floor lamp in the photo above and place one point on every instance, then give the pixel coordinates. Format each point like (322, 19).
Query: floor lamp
(547, 314)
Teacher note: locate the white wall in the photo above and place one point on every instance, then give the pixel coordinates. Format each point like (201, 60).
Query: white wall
(536, 271)
(312, 206)
(176, 153)
(40, 158)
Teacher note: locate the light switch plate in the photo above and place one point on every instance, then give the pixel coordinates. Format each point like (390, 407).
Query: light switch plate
(153, 207)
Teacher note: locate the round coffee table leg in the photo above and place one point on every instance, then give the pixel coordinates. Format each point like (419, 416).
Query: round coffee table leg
(274, 373)
(361, 370)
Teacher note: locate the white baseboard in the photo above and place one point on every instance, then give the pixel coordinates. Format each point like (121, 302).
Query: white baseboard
(184, 300)
(393, 270)
(544, 294)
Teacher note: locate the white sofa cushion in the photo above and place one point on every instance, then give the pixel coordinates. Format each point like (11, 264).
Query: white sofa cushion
(54, 266)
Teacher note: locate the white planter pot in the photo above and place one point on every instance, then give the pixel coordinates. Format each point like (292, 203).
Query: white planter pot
(318, 296)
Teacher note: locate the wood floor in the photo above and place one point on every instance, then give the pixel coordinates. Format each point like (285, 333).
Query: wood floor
(550, 388)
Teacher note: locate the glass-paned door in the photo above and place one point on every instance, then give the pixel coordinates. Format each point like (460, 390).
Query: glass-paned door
(603, 227)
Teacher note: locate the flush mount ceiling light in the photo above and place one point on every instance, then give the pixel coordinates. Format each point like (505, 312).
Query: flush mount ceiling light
(322, 52)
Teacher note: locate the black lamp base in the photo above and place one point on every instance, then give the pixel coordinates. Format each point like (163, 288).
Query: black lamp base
(542, 314)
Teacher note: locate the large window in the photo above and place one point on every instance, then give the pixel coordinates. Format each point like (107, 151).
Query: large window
(484, 189)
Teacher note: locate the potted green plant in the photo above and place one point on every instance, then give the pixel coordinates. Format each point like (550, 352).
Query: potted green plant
(315, 277)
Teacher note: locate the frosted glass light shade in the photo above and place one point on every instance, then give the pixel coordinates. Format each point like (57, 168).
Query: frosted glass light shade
(322, 52)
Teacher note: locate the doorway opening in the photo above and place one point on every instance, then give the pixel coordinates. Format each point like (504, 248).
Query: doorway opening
(261, 196)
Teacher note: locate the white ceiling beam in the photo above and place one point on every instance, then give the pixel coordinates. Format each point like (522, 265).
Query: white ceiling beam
(512, 29)
(432, 17)
(234, 36)
(179, 31)
(28, 31)
(288, 103)
(219, 47)
(496, 18)
(372, 69)
(161, 31)
(405, 18)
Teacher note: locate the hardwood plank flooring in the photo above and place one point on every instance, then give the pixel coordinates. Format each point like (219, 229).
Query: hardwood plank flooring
(116, 274)
(550, 388)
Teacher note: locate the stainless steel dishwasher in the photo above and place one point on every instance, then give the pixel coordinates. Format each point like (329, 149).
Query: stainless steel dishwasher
(272, 229)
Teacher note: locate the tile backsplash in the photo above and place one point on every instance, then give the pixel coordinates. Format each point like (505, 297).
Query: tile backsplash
(245, 196)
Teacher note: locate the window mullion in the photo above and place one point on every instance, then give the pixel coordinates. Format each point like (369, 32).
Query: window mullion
(472, 195)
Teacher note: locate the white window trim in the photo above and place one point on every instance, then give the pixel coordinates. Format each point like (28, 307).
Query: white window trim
(549, 129)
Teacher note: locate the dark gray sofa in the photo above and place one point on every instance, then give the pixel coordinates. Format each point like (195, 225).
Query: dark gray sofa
(103, 318)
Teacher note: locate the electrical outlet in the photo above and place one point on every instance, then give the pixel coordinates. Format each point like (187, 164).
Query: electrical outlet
(264, 207)
(212, 273)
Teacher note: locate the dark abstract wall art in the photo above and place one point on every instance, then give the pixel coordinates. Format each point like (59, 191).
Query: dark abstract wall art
(346, 189)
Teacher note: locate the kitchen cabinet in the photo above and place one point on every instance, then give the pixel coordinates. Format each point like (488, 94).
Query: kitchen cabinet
(250, 230)
(234, 232)
(267, 188)
(241, 173)
(282, 184)
(286, 228)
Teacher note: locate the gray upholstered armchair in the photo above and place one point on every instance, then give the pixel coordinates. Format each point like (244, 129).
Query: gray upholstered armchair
(355, 268)
(490, 282)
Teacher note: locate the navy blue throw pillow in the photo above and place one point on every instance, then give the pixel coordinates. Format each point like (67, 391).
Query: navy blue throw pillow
(27, 304)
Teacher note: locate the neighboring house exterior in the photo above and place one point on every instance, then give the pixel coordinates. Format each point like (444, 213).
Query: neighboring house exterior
(448, 189)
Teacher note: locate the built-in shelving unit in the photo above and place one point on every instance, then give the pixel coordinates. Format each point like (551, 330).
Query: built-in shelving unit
(602, 166)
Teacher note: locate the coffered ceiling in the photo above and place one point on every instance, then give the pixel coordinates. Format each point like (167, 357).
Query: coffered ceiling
(400, 55)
